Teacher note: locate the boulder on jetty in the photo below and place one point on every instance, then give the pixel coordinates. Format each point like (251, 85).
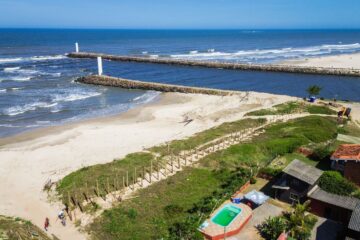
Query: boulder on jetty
(161, 87)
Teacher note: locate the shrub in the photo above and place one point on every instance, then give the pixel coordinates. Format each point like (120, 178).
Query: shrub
(253, 180)
(173, 209)
(271, 172)
(272, 227)
(132, 213)
(334, 182)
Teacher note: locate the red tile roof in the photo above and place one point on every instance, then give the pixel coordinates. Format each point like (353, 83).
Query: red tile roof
(347, 152)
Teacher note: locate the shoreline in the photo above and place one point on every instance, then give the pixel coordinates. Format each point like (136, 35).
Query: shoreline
(349, 60)
(30, 159)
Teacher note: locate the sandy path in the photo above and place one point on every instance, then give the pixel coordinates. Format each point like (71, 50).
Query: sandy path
(337, 61)
(27, 161)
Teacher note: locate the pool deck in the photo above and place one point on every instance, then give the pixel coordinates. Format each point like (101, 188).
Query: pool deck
(214, 231)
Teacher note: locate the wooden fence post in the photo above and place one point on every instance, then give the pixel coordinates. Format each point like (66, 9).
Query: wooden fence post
(151, 170)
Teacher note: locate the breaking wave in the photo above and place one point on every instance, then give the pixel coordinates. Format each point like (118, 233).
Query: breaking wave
(270, 54)
(74, 96)
(31, 59)
(16, 110)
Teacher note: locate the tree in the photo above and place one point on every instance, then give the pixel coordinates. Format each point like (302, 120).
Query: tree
(314, 90)
(300, 223)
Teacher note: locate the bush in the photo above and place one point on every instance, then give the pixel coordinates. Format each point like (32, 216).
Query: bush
(271, 172)
(273, 227)
(173, 209)
(334, 182)
(253, 180)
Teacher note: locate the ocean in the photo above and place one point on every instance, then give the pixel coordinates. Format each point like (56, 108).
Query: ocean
(37, 87)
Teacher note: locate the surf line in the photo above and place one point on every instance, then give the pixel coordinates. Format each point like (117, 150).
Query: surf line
(224, 65)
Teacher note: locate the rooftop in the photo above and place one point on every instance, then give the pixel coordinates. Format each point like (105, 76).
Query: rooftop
(347, 152)
(354, 223)
(303, 171)
(337, 200)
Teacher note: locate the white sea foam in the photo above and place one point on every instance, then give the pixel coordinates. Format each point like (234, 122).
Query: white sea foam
(30, 59)
(16, 78)
(146, 97)
(20, 109)
(69, 97)
(2, 90)
(11, 69)
(194, 52)
(288, 52)
(153, 56)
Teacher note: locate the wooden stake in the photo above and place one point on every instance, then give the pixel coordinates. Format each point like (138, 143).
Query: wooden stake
(127, 178)
(151, 170)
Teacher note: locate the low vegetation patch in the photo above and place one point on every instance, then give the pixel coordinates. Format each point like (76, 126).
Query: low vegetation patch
(198, 139)
(16, 228)
(293, 107)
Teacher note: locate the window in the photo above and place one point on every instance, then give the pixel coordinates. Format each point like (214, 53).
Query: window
(294, 197)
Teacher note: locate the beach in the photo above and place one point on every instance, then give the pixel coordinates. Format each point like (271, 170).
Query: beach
(30, 159)
(336, 61)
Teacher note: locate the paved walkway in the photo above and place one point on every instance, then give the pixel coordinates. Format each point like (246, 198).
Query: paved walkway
(348, 138)
(259, 215)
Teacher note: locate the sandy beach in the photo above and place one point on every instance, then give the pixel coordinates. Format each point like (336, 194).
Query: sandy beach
(30, 159)
(335, 61)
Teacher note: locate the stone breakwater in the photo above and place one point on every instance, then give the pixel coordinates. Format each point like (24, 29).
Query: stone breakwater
(225, 65)
(133, 84)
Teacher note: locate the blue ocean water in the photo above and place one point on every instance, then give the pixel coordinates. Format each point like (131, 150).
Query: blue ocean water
(37, 85)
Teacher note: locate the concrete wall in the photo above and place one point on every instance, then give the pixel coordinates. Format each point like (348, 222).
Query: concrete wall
(238, 66)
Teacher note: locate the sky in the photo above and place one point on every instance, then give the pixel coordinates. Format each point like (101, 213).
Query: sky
(181, 14)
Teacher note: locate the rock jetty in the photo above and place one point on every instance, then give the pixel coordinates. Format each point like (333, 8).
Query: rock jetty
(225, 65)
(133, 84)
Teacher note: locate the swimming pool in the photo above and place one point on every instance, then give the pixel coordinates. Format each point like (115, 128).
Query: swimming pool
(226, 215)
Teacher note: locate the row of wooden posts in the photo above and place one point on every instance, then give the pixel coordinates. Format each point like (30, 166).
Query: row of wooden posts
(156, 170)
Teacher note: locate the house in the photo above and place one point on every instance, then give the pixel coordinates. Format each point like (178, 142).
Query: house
(346, 159)
(332, 206)
(297, 179)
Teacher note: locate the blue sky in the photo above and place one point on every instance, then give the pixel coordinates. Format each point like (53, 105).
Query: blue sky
(183, 14)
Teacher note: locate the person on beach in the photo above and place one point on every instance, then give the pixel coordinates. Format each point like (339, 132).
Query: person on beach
(46, 224)
(61, 216)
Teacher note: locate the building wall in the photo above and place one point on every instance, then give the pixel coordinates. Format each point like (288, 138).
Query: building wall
(330, 211)
(352, 171)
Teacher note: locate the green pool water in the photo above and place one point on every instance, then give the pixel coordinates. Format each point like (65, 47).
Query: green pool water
(226, 215)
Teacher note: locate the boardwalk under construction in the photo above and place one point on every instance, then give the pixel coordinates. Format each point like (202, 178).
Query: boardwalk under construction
(224, 65)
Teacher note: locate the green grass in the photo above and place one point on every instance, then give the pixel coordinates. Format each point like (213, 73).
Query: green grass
(293, 107)
(180, 203)
(350, 129)
(16, 228)
(334, 182)
(206, 136)
(152, 220)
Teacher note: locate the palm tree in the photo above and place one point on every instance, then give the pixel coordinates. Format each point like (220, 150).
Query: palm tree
(300, 222)
(314, 90)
